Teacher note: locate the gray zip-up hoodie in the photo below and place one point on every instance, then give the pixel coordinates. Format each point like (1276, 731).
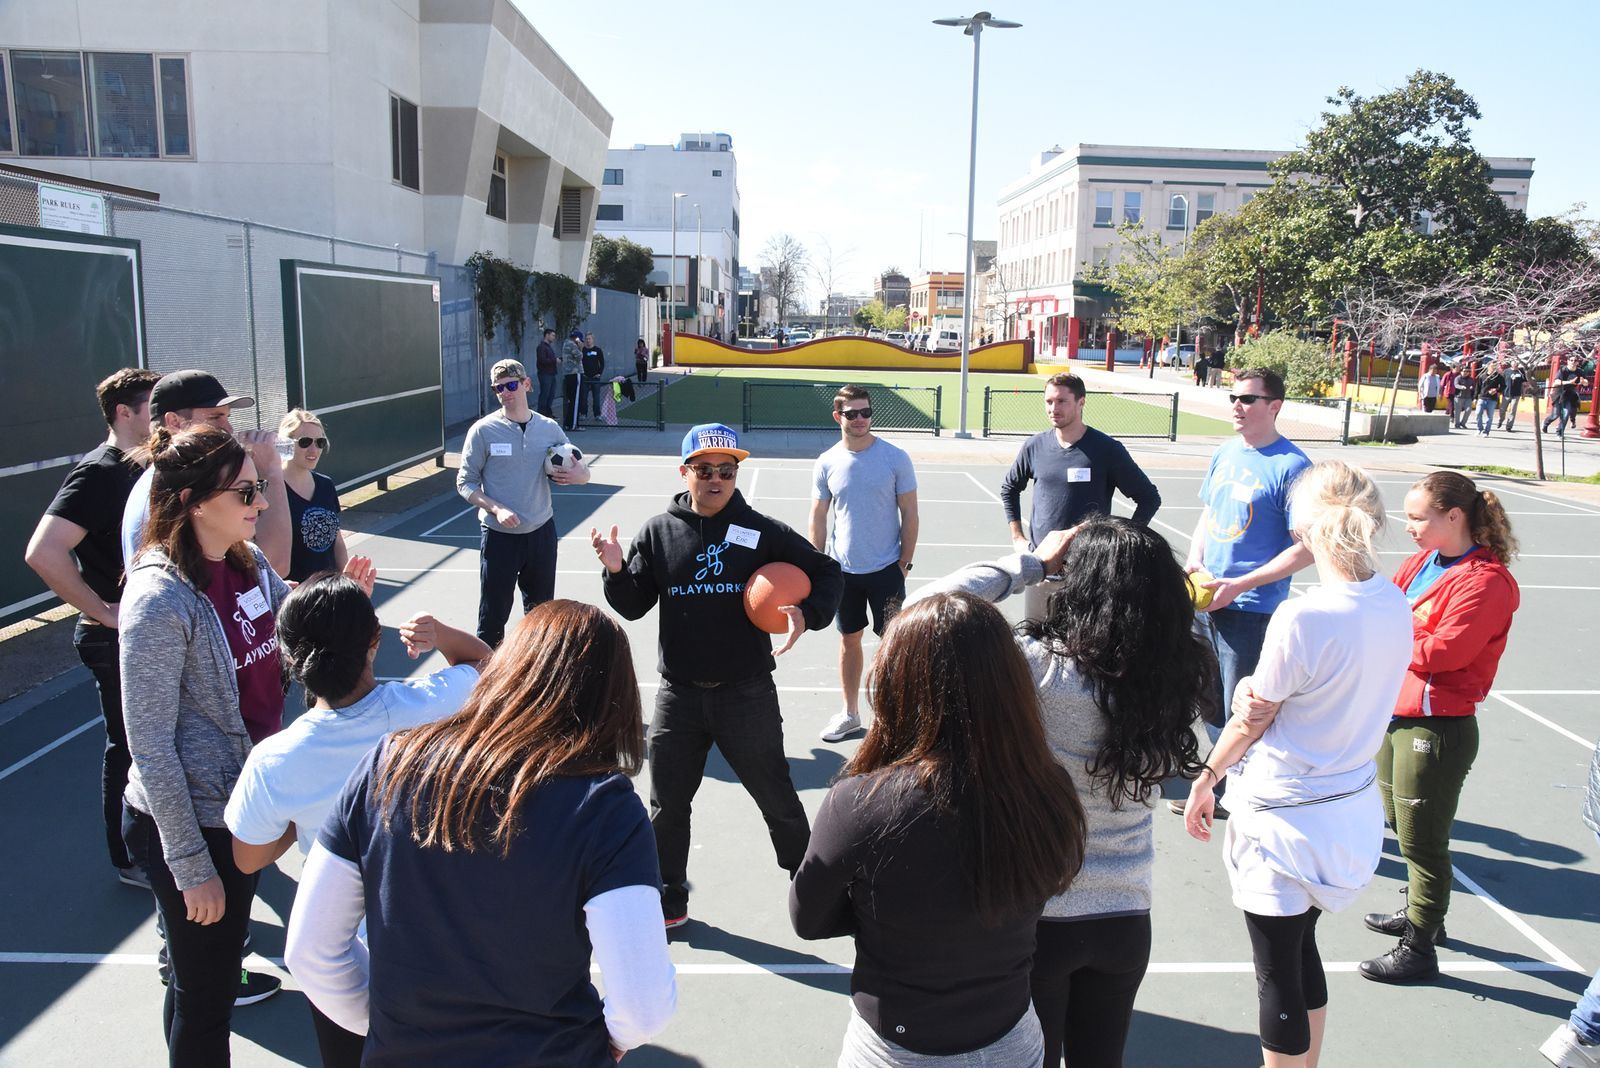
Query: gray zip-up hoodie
(180, 704)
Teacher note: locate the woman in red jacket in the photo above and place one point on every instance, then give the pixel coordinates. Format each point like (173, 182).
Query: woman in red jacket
(1462, 599)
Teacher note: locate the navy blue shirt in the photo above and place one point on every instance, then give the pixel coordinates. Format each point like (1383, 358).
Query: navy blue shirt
(483, 960)
(1074, 482)
(316, 528)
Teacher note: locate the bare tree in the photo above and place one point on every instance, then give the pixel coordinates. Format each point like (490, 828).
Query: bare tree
(785, 265)
(826, 267)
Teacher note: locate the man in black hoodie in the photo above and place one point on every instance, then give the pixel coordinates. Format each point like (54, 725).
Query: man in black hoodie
(716, 666)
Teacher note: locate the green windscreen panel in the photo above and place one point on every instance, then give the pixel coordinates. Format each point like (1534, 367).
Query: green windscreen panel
(362, 350)
(71, 312)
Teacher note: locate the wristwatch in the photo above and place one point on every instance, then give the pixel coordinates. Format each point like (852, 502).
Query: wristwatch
(907, 565)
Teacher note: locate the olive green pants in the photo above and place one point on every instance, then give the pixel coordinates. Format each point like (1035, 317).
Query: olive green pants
(1422, 765)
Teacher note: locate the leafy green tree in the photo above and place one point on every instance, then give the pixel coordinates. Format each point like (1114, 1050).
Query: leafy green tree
(620, 264)
(1307, 366)
(867, 316)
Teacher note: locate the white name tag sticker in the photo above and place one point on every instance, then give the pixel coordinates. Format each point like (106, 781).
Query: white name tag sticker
(1242, 493)
(252, 603)
(499, 448)
(744, 536)
(1079, 474)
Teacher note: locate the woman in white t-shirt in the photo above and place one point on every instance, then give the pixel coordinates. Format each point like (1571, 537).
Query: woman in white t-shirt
(1306, 830)
(328, 634)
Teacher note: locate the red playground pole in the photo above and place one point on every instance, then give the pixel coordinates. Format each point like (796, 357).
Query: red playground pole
(1350, 362)
(1591, 424)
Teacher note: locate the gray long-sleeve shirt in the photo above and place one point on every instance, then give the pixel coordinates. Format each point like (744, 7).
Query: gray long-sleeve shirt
(180, 704)
(504, 460)
(1119, 855)
(1073, 482)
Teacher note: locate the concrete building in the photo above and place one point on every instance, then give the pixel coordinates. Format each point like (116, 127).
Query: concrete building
(892, 289)
(934, 297)
(638, 198)
(450, 127)
(1063, 216)
(837, 308)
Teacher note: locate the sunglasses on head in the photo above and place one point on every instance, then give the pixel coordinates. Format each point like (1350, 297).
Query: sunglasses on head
(306, 443)
(856, 413)
(1248, 399)
(249, 491)
(507, 387)
(726, 472)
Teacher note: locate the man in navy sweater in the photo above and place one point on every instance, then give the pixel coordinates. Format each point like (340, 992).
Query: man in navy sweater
(716, 666)
(1075, 469)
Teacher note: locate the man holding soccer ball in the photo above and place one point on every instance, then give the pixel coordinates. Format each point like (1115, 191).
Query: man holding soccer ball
(507, 464)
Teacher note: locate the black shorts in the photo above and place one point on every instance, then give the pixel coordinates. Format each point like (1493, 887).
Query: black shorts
(874, 590)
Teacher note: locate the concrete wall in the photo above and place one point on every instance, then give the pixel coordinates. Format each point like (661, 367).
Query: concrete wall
(845, 353)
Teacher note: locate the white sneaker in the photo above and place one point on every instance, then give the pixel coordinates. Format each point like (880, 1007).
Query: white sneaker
(1565, 1049)
(841, 726)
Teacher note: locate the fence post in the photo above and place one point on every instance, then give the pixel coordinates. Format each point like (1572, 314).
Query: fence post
(250, 324)
(987, 400)
(1172, 431)
(746, 404)
(938, 408)
(661, 404)
(1344, 433)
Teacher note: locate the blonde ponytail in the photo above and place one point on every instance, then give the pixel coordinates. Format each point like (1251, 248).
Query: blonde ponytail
(1338, 511)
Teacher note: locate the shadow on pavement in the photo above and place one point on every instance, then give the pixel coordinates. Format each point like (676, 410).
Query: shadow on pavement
(698, 934)
(1155, 1041)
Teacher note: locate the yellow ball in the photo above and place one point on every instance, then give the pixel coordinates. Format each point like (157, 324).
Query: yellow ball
(1197, 589)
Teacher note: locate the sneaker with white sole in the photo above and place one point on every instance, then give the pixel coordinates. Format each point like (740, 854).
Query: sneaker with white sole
(842, 726)
(1565, 1049)
(132, 876)
(254, 987)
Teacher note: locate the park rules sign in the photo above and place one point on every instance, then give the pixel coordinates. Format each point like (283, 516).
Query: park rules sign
(71, 209)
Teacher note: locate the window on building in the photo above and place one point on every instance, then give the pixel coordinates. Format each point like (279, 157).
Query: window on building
(1178, 212)
(613, 176)
(736, 224)
(405, 162)
(176, 133)
(1246, 197)
(1102, 207)
(6, 143)
(1102, 257)
(1205, 206)
(497, 187)
(126, 125)
(716, 174)
(52, 110)
(1132, 206)
(569, 213)
(609, 213)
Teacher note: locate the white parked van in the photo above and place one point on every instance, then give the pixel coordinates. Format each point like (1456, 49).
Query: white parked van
(944, 341)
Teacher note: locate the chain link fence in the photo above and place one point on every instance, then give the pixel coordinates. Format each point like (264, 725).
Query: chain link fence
(1316, 419)
(1020, 413)
(777, 405)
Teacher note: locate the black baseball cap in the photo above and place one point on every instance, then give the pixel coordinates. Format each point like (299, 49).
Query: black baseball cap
(182, 390)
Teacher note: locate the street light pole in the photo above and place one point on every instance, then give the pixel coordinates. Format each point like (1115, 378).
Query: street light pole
(699, 265)
(973, 27)
(672, 273)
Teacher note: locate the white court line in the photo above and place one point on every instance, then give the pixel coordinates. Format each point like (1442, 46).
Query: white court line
(1552, 693)
(1545, 945)
(1590, 589)
(452, 519)
(148, 960)
(985, 489)
(750, 494)
(1541, 500)
(37, 753)
(1531, 714)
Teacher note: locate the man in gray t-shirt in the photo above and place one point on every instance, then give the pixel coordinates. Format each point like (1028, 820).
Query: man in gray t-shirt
(871, 488)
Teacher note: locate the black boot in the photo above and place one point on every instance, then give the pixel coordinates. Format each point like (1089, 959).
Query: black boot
(1394, 923)
(1413, 959)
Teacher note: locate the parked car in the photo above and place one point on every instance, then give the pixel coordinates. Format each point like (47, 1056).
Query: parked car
(794, 337)
(1182, 357)
(758, 344)
(897, 337)
(944, 340)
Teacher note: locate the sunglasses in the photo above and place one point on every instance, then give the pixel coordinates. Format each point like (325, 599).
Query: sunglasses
(507, 387)
(1248, 399)
(306, 443)
(726, 472)
(855, 413)
(248, 492)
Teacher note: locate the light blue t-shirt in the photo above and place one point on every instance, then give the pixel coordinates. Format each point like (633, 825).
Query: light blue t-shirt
(1432, 572)
(1246, 492)
(296, 775)
(135, 514)
(863, 488)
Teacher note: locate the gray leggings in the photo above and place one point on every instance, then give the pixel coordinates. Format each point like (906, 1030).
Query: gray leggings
(1020, 1047)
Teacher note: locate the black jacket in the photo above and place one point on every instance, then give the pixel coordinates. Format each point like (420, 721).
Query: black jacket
(544, 359)
(688, 563)
(594, 362)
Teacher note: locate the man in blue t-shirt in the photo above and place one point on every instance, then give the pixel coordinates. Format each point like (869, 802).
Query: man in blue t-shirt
(1243, 537)
(871, 488)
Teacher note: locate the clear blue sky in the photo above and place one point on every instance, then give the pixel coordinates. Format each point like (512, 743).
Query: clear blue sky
(849, 120)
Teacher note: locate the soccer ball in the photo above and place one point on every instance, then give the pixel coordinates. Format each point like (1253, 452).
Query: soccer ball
(561, 457)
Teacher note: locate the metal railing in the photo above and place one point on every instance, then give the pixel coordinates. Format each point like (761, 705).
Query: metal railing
(1020, 413)
(1329, 422)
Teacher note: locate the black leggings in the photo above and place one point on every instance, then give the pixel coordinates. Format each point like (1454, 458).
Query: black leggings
(1289, 979)
(339, 1048)
(1086, 974)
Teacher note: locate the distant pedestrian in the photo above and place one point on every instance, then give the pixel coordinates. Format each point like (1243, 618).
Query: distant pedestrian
(594, 377)
(76, 549)
(317, 543)
(1202, 362)
(1466, 387)
(1563, 397)
(870, 487)
(1214, 371)
(545, 365)
(1428, 390)
(1447, 393)
(502, 475)
(641, 361)
(1491, 387)
(571, 380)
(1075, 471)
(1516, 386)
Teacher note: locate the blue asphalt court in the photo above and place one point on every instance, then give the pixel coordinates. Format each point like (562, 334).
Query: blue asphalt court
(78, 982)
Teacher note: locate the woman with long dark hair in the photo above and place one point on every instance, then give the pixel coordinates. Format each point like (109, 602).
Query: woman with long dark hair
(201, 682)
(328, 633)
(493, 854)
(1462, 599)
(1120, 675)
(940, 844)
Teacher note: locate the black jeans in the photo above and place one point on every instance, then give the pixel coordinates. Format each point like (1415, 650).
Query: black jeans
(97, 648)
(513, 561)
(339, 1048)
(743, 719)
(570, 387)
(204, 959)
(1086, 974)
(546, 405)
